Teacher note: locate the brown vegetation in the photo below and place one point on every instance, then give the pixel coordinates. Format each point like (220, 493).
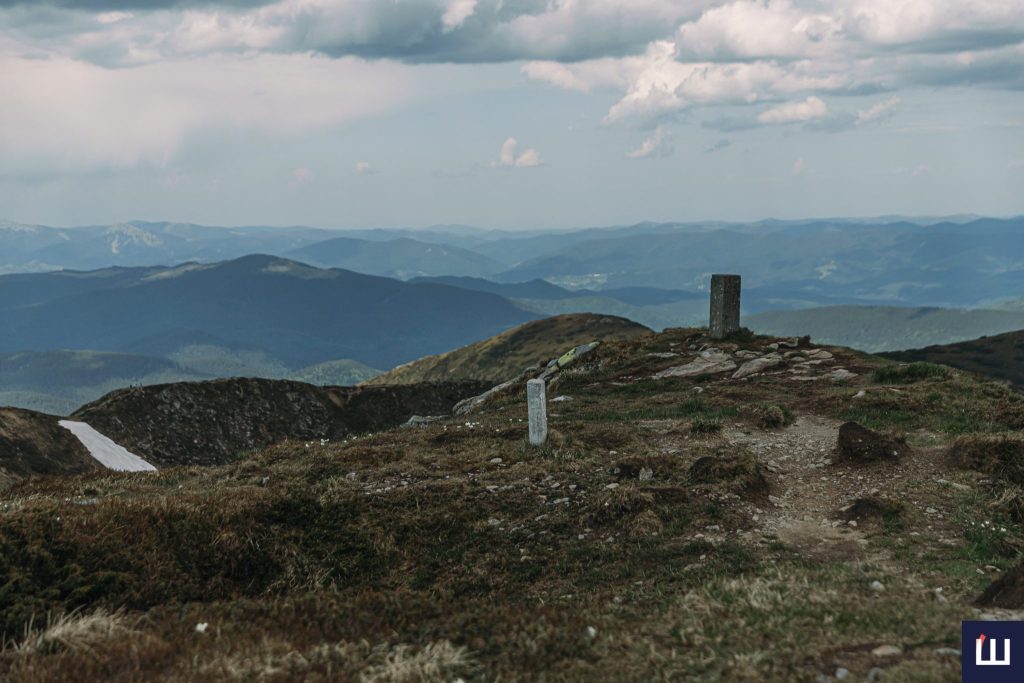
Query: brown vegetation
(627, 548)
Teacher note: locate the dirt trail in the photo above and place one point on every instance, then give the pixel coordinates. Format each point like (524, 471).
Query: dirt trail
(808, 490)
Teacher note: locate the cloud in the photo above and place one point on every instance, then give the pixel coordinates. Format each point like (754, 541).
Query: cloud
(658, 144)
(877, 110)
(364, 168)
(795, 112)
(769, 51)
(509, 156)
(457, 13)
(660, 57)
(742, 30)
(73, 117)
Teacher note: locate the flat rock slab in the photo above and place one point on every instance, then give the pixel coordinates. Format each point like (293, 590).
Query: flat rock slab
(752, 367)
(709, 362)
(109, 454)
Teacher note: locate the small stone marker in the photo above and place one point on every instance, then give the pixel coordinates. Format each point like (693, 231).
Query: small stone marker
(536, 401)
(725, 306)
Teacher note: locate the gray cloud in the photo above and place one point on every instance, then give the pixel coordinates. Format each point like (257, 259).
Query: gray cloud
(131, 5)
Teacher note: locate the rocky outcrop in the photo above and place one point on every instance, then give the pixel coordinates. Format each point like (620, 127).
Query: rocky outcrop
(209, 423)
(708, 362)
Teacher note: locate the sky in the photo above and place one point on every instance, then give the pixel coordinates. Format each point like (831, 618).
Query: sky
(513, 114)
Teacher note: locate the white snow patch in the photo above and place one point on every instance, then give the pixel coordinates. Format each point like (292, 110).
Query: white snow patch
(110, 455)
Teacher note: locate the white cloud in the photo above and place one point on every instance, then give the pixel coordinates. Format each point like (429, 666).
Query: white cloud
(657, 144)
(511, 157)
(72, 116)
(754, 51)
(457, 13)
(795, 112)
(877, 110)
(745, 29)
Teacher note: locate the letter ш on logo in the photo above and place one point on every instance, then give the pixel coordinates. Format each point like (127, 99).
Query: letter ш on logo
(988, 655)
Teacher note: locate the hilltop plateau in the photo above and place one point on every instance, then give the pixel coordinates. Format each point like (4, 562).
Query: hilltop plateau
(702, 511)
(508, 353)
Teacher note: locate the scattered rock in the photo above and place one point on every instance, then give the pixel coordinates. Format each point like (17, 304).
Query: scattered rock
(708, 362)
(646, 474)
(470, 404)
(758, 365)
(858, 444)
(561, 399)
(841, 375)
(887, 651)
(663, 354)
(873, 676)
(842, 674)
(877, 586)
(421, 420)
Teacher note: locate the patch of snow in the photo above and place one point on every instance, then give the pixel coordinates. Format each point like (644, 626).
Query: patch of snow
(109, 454)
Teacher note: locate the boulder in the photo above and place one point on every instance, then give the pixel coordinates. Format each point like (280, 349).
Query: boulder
(568, 358)
(708, 362)
(858, 444)
(752, 367)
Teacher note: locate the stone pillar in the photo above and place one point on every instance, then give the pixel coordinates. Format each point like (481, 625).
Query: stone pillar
(537, 404)
(725, 306)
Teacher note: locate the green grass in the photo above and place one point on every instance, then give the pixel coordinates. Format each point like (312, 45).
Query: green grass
(907, 374)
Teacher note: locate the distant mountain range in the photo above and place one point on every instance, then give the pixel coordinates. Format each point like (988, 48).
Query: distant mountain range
(147, 302)
(962, 261)
(253, 316)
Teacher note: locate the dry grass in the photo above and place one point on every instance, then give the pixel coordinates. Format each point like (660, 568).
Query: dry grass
(458, 551)
(77, 632)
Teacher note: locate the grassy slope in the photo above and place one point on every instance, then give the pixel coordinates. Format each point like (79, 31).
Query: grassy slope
(1000, 357)
(509, 353)
(886, 328)
(457, 551)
